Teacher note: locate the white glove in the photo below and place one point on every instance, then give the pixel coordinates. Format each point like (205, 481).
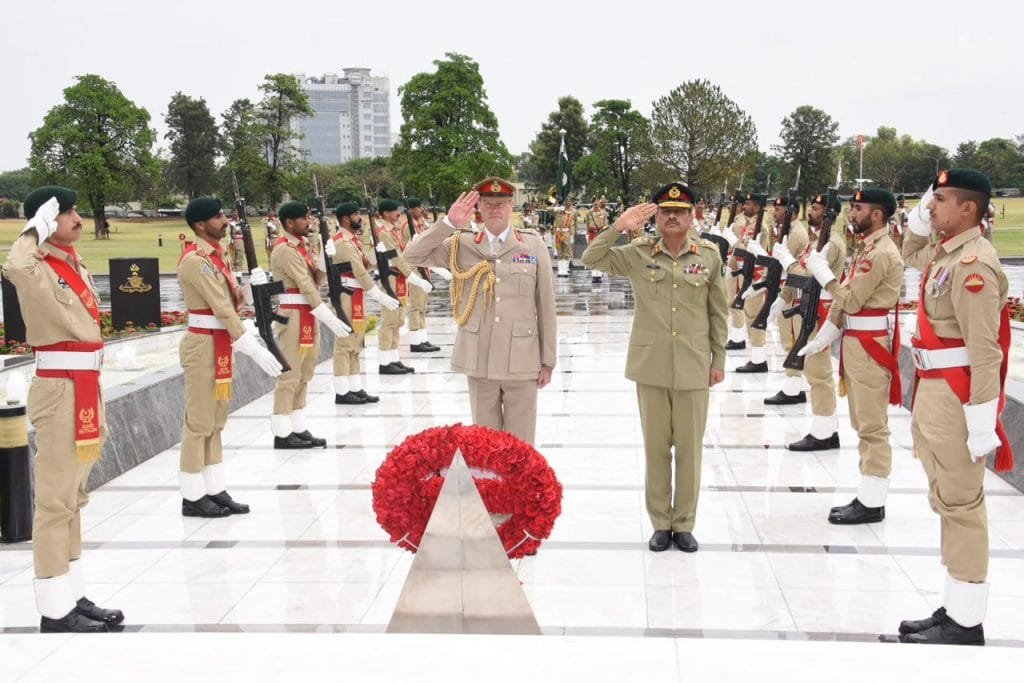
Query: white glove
(258, 277)
(45, 220)
(381, 247)
(819, 268)
(776, 309)
(826, 335)
(730, 237)
(981, 428)
(714, 230)
(751, 292)
(378, 295)
(416, 281)
(781, 253)
(919, 220)
(249, 345)
(754, 247)
(330, 249)
(324, 314)
(442, 273)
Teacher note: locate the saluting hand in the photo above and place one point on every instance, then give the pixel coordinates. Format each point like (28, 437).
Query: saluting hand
(634, 218)
(462, 210)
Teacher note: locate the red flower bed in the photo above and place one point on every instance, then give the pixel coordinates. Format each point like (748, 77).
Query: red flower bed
(514, 480)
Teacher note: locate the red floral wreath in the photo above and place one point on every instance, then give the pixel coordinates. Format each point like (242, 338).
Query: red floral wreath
(514, 480)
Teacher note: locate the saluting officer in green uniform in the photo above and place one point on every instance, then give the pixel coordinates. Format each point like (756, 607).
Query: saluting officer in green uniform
(676, 349)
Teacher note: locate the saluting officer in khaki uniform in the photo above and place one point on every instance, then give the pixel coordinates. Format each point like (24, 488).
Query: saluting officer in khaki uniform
(565, 235)
(62, 322)
(676, 350)
(357, 285)
(868, 359)
(293, 263)
(417, 316)
(212, 296)
(962, 341)
(824, 429)
(503, 300)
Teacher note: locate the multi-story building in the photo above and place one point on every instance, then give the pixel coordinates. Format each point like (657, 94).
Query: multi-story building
(351, 120)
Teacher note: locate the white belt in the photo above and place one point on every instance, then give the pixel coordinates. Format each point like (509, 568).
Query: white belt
(205, 321)
(292, 299)
(351, 283)
(69, 360)
(866, 323)
(824, 296)
(937, 359)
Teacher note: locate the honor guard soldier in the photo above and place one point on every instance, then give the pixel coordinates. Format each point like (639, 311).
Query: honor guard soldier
(752, 305)
(417, 318)
(733, 233)
(597, 220)
(292, 263)
(212, 296)
(960, 351)
(357, 286)
(391, 239)
(868, 357)
(65, 405)
(676, 350)
(503, 300)
(565, 234)
(824, 431)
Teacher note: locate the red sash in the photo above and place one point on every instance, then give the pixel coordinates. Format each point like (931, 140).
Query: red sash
(223, 361)
(887, 359)
(358, 307)
(307, 326)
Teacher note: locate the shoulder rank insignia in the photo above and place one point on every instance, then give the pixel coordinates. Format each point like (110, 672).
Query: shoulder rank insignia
(968, 259)
(974, 283)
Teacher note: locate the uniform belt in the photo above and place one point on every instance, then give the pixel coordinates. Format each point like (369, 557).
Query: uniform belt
(69, 360)
(824, 296)
(938, 359)
(351, 282)
(855, 323)
(292, 300)
(205, 321)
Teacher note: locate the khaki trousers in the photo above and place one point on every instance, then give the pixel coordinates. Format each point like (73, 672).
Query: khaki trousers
(347, 349)
(390, 323)
(508, 405)
(60, 478)
(732, 288)
(563, 246)
(751, 307)
(417, 309)
(818, 372)
(788, 331)
(955, 482)
(205, 416)
(867, 386)
(673, 425)
(290, 390)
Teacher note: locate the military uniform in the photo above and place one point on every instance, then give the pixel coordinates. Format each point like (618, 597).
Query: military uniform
(417, 315)
(678, 337)
(508, 331)
(392, 239)
(565, 235)
(597, 220)
(752, 306)
(960, 351)
(737, 321)
(792, 387)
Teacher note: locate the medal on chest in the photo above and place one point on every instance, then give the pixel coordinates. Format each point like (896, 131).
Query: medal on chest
(940, 280)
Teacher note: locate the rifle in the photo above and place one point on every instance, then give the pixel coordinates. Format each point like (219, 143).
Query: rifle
(383, 257)
(810, 289)
(747, 269)
(723, 244)
(412, 230)
(262, 300)
(733, 203)
(334, 287)
(772, 283)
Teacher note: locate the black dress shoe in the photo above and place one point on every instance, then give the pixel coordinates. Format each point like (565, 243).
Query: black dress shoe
(293, 440)
(88, 608)
(424, 347)
(660, 540)
(596, 279)
(72, 622)
(405, 368)
(947, 632)
(316, 441)
(370, 398)
(204, 507)
(753, 367)
(784, 399)
(856, 513)
(224, 499)
(810, 443)
(349, 399)
(685, 541)
(390, 369)
(918, 625)
(735, 346)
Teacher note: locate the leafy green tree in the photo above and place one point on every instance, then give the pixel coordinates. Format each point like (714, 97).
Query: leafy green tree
(16, 184)
(999, 160)
(195, 142)
(619, 144)
(542, 171)
(98, 142)
(242, 147)
(965, 154)
(283, 100)
(808, 139)
(896, 162)
(449, 136)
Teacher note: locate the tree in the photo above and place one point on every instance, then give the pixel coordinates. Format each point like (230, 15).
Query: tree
(242, 147)
(964, 156)
(195, 142)
(283, 100)
(998, 159)
(543, 166)
(16, 184)
(98, 142)
(449, 136)
(703, 135)
(808, 139)
(896, 162)
(619, 143)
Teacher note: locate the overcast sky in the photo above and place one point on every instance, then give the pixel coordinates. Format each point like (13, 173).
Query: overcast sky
(942, 71)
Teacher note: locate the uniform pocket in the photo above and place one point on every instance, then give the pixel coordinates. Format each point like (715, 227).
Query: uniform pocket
(695, 289)
(467, 343)
(641, 338)
(524, 351)
(525, 275)
(655, 284)
(44, 396)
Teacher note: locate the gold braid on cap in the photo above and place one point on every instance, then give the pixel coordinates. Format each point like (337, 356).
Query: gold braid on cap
(476, 273)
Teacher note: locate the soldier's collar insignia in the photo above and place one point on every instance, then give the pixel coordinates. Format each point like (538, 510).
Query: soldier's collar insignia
(968, 259)
(519, 237)
(479, 237)
(974, 283)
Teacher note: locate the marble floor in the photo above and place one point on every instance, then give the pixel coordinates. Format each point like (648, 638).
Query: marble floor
(308, 580)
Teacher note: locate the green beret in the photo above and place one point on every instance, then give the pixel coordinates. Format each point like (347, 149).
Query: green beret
(876, 195)
(346, 209)
(292, 210)
(201, 209)
(836, 204)
(415, 202)
(757, 197)
(387, 205)
(960, 178)
(66, 199)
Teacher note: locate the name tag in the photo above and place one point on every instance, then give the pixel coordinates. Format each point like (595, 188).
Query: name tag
(695, 269)
(524, 258)
(653, 266)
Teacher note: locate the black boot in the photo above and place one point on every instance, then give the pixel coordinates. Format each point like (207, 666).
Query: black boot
(293, 440)
(811, 443)
(391, 369)
(317, 442)
(224, 499)
(784, 399)
(660, 540)
(72, 622)
(735, 346)
(88, 608)
(947, 632)
(856, 513)
(918, 625)
(753, 367)
(370, 398)
(204, 507)
(349, 399)
(685, 541)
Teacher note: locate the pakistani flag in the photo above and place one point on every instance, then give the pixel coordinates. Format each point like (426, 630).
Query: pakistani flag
(563, 171)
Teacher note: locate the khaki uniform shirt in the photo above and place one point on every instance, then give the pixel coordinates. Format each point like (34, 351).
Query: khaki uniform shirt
(679, 329)
(289, 266)
(348, 249)
(512, 335)
(874, 280)
(203, 286)
(392, 237)
(967, 305)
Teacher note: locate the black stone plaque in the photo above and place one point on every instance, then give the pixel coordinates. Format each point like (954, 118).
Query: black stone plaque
(14, 324)
(134, 292)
